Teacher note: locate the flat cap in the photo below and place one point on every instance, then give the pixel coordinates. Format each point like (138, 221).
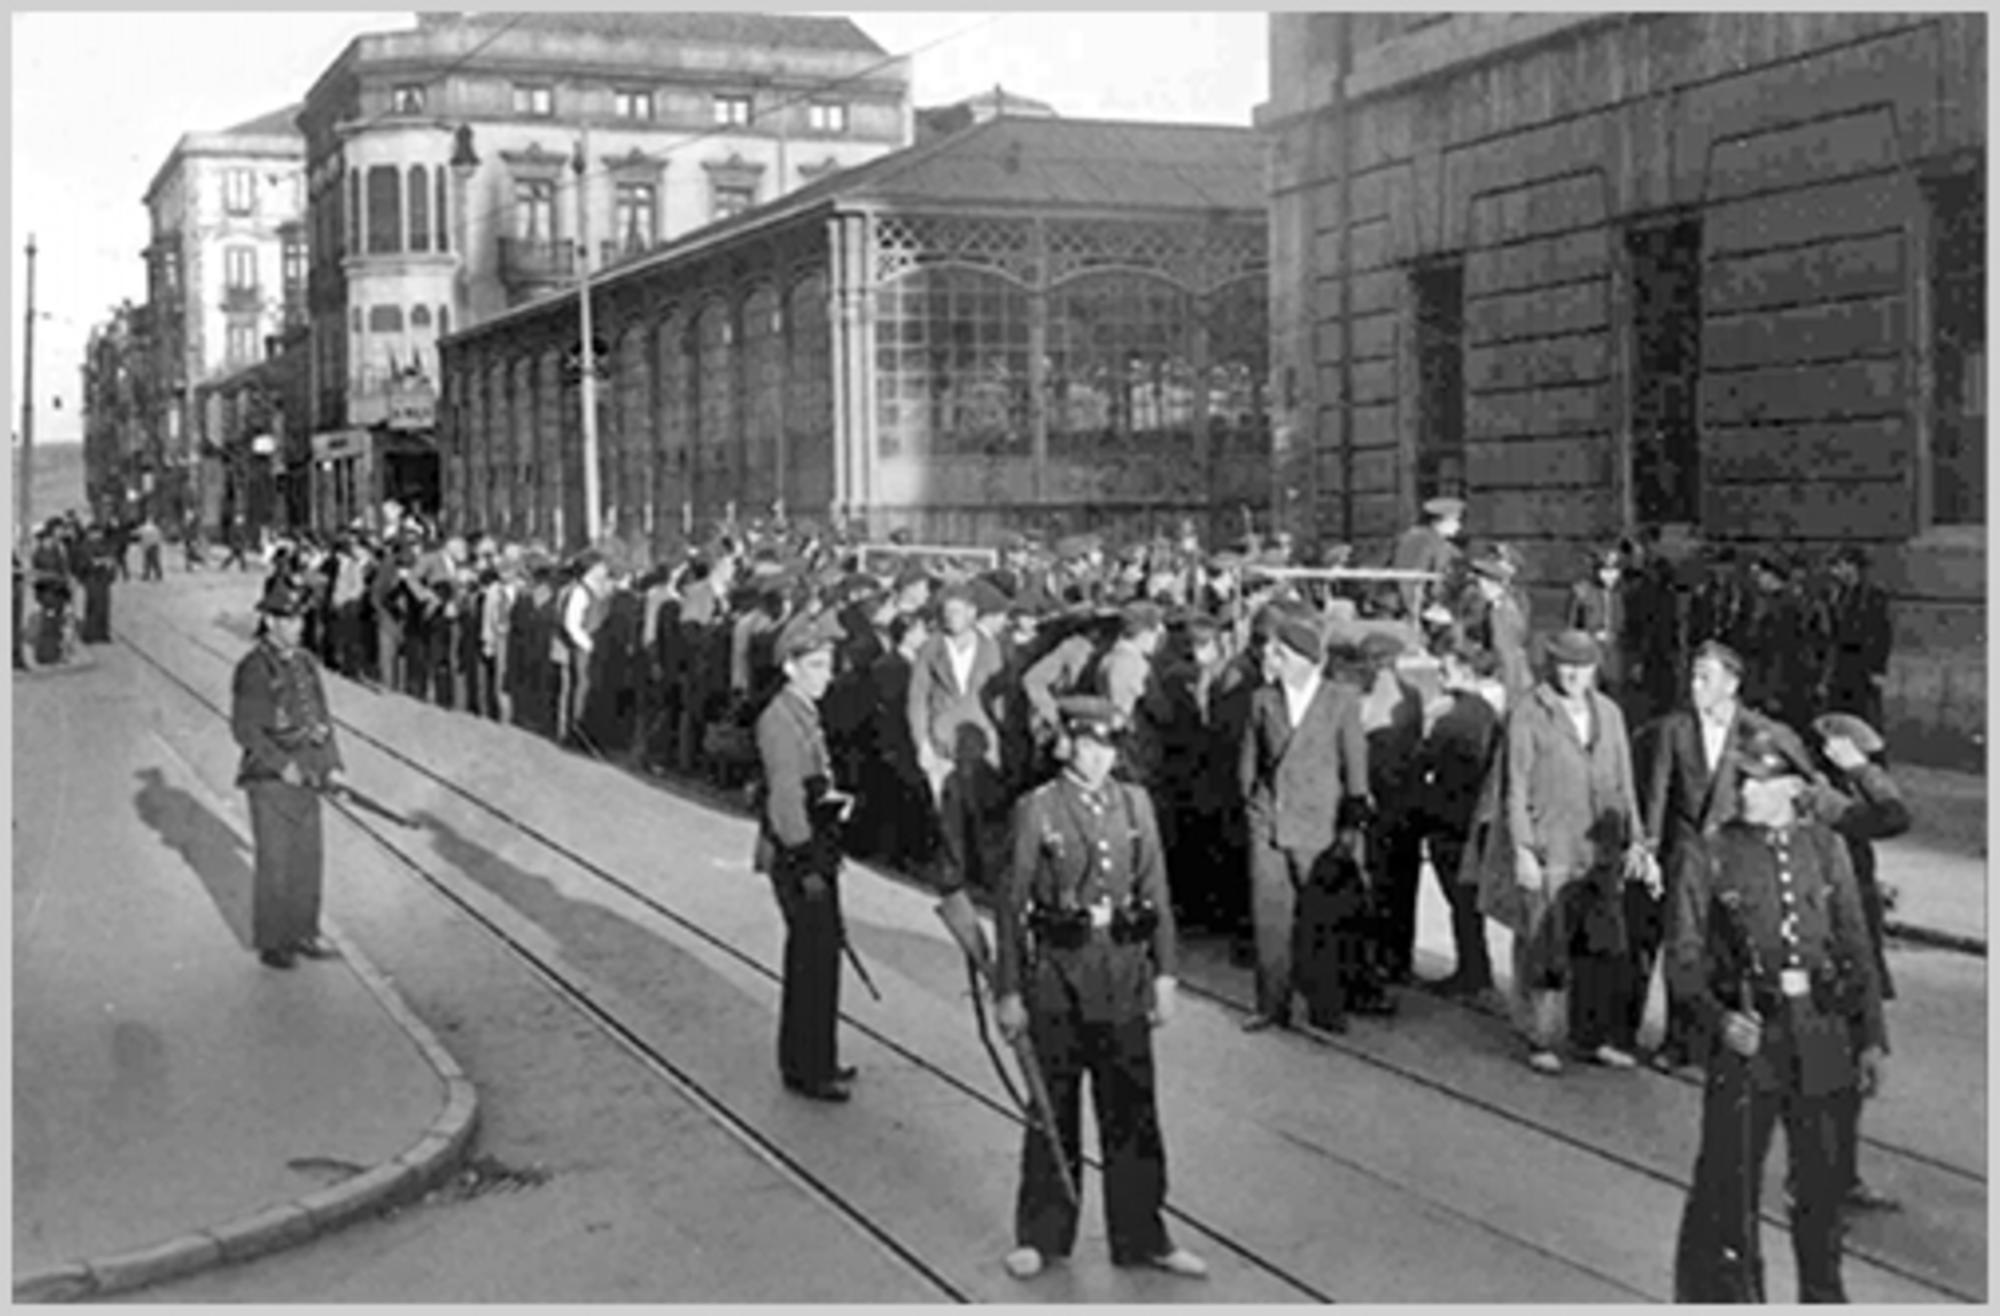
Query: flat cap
(956, 589)
(1076, 546)
(1380, 647)
(1141, 615)
(1200, 625)
(1574, 648)
(1760, 755)
(1494, 565)
(1441, 508)
(1089, 715)
(807, 633)
(1847, 726)
(988, 599)
(1300, 632)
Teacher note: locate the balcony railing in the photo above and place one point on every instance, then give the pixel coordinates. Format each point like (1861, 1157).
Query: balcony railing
(537, 260)
(245, 297)
(611, 252)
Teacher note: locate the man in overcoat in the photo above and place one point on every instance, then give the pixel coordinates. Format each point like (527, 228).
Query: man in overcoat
(798, 845)
(278, 715)
(1303, 773)
(1084, 966)
(956, 709)
(1428, 547)
(1769, 947)
(1859, 640)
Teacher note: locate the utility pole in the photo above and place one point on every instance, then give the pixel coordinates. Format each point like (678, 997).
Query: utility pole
(593, 511)
(25, 495)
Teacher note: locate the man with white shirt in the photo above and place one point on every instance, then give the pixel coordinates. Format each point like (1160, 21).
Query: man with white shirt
(1304, 778)
(1689, 791)
(956, 707)
(583, 608)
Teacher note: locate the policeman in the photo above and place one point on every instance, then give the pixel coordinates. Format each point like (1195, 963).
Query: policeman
(798, 844)
(1770, 948)
(1085, 967)
(1428, 547)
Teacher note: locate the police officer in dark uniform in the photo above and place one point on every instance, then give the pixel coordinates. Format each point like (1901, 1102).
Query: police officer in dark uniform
(798, 844)
(1085, 967)
(1770, 948)
(278, 714)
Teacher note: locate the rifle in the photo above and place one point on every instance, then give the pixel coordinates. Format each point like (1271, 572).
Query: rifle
(959, 918)
(1742, 1273)
(340, 790)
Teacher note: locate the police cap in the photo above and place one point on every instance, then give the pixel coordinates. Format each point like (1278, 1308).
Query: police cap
(1089, 715)
(1439, 509)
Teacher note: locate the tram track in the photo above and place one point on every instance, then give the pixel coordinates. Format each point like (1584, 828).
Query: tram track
(548, 966)
(713, 798)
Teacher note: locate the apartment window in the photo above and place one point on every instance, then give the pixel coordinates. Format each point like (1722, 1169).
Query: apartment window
(733, 199)
(354, 212)
(732, 110)
(420, 209)
(1440, 454)
(1666, 372)
(239, 191)
(634, 209)
(239, 268)
(240, 343)
(633, 105)
(540, 102)
(1958, 348)
(385, 210)
(827, 118)
(439, 213)
(407, 99)
(535, 209)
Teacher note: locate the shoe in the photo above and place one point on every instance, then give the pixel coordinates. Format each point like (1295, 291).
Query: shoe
(1180, 1262)
(1024, 1263)
(846, 1074)
(315, 948)
(825, 1089)
(277, 959)
(1863, 1198)
(1545, 1062)
(1379, 1005)
(1258, 1023)
(1334, 1024)
(1612, 1058)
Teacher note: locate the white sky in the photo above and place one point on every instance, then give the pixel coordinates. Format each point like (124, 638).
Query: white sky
(100, 98)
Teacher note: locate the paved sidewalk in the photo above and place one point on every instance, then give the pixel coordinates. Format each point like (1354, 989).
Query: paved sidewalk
(176, 1104)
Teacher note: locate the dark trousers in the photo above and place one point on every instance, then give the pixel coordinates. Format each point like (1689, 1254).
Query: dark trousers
(1472, 965)
(1304, 907)
(1118, 1057)
(810, 1003)
(1397, 856)
(1645, 930)
(970, 828)
(150, 564)
(348, 649)
(573, 693)
(1720, 1220)
(285, 887)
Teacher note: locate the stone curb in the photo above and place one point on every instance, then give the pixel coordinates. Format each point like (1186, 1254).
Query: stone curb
(433, 1156)
(1931, 937)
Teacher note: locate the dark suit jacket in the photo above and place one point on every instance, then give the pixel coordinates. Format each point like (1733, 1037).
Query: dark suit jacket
(958, 722)
(1684, 796)
(1294, 782)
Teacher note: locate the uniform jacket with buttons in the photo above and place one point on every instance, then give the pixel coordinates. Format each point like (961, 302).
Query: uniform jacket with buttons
(1741, 874)
(278, 715)
(797, 772)
(1074, 849)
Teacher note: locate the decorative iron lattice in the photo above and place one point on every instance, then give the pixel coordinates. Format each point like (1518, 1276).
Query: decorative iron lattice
(1198, 257)
(904, 242)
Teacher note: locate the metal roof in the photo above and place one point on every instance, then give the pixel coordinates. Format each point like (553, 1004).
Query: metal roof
(797, 31)
(276, 123)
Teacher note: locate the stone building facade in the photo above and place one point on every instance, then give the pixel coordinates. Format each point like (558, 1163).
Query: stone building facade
(1719, 273)
(1033, 323)
(225, 271)
(445, 163)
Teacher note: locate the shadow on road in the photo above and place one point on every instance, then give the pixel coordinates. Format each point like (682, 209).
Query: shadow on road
(207, 843)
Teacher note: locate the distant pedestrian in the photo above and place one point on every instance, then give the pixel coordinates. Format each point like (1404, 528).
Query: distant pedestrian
(1860, 638)
(279, 715)
(149, 550)
(1429, 547)
(1457, 755)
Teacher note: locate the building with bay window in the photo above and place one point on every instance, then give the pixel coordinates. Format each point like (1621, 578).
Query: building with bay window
(1717, 273)
(1032, 323)
(477, 162)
